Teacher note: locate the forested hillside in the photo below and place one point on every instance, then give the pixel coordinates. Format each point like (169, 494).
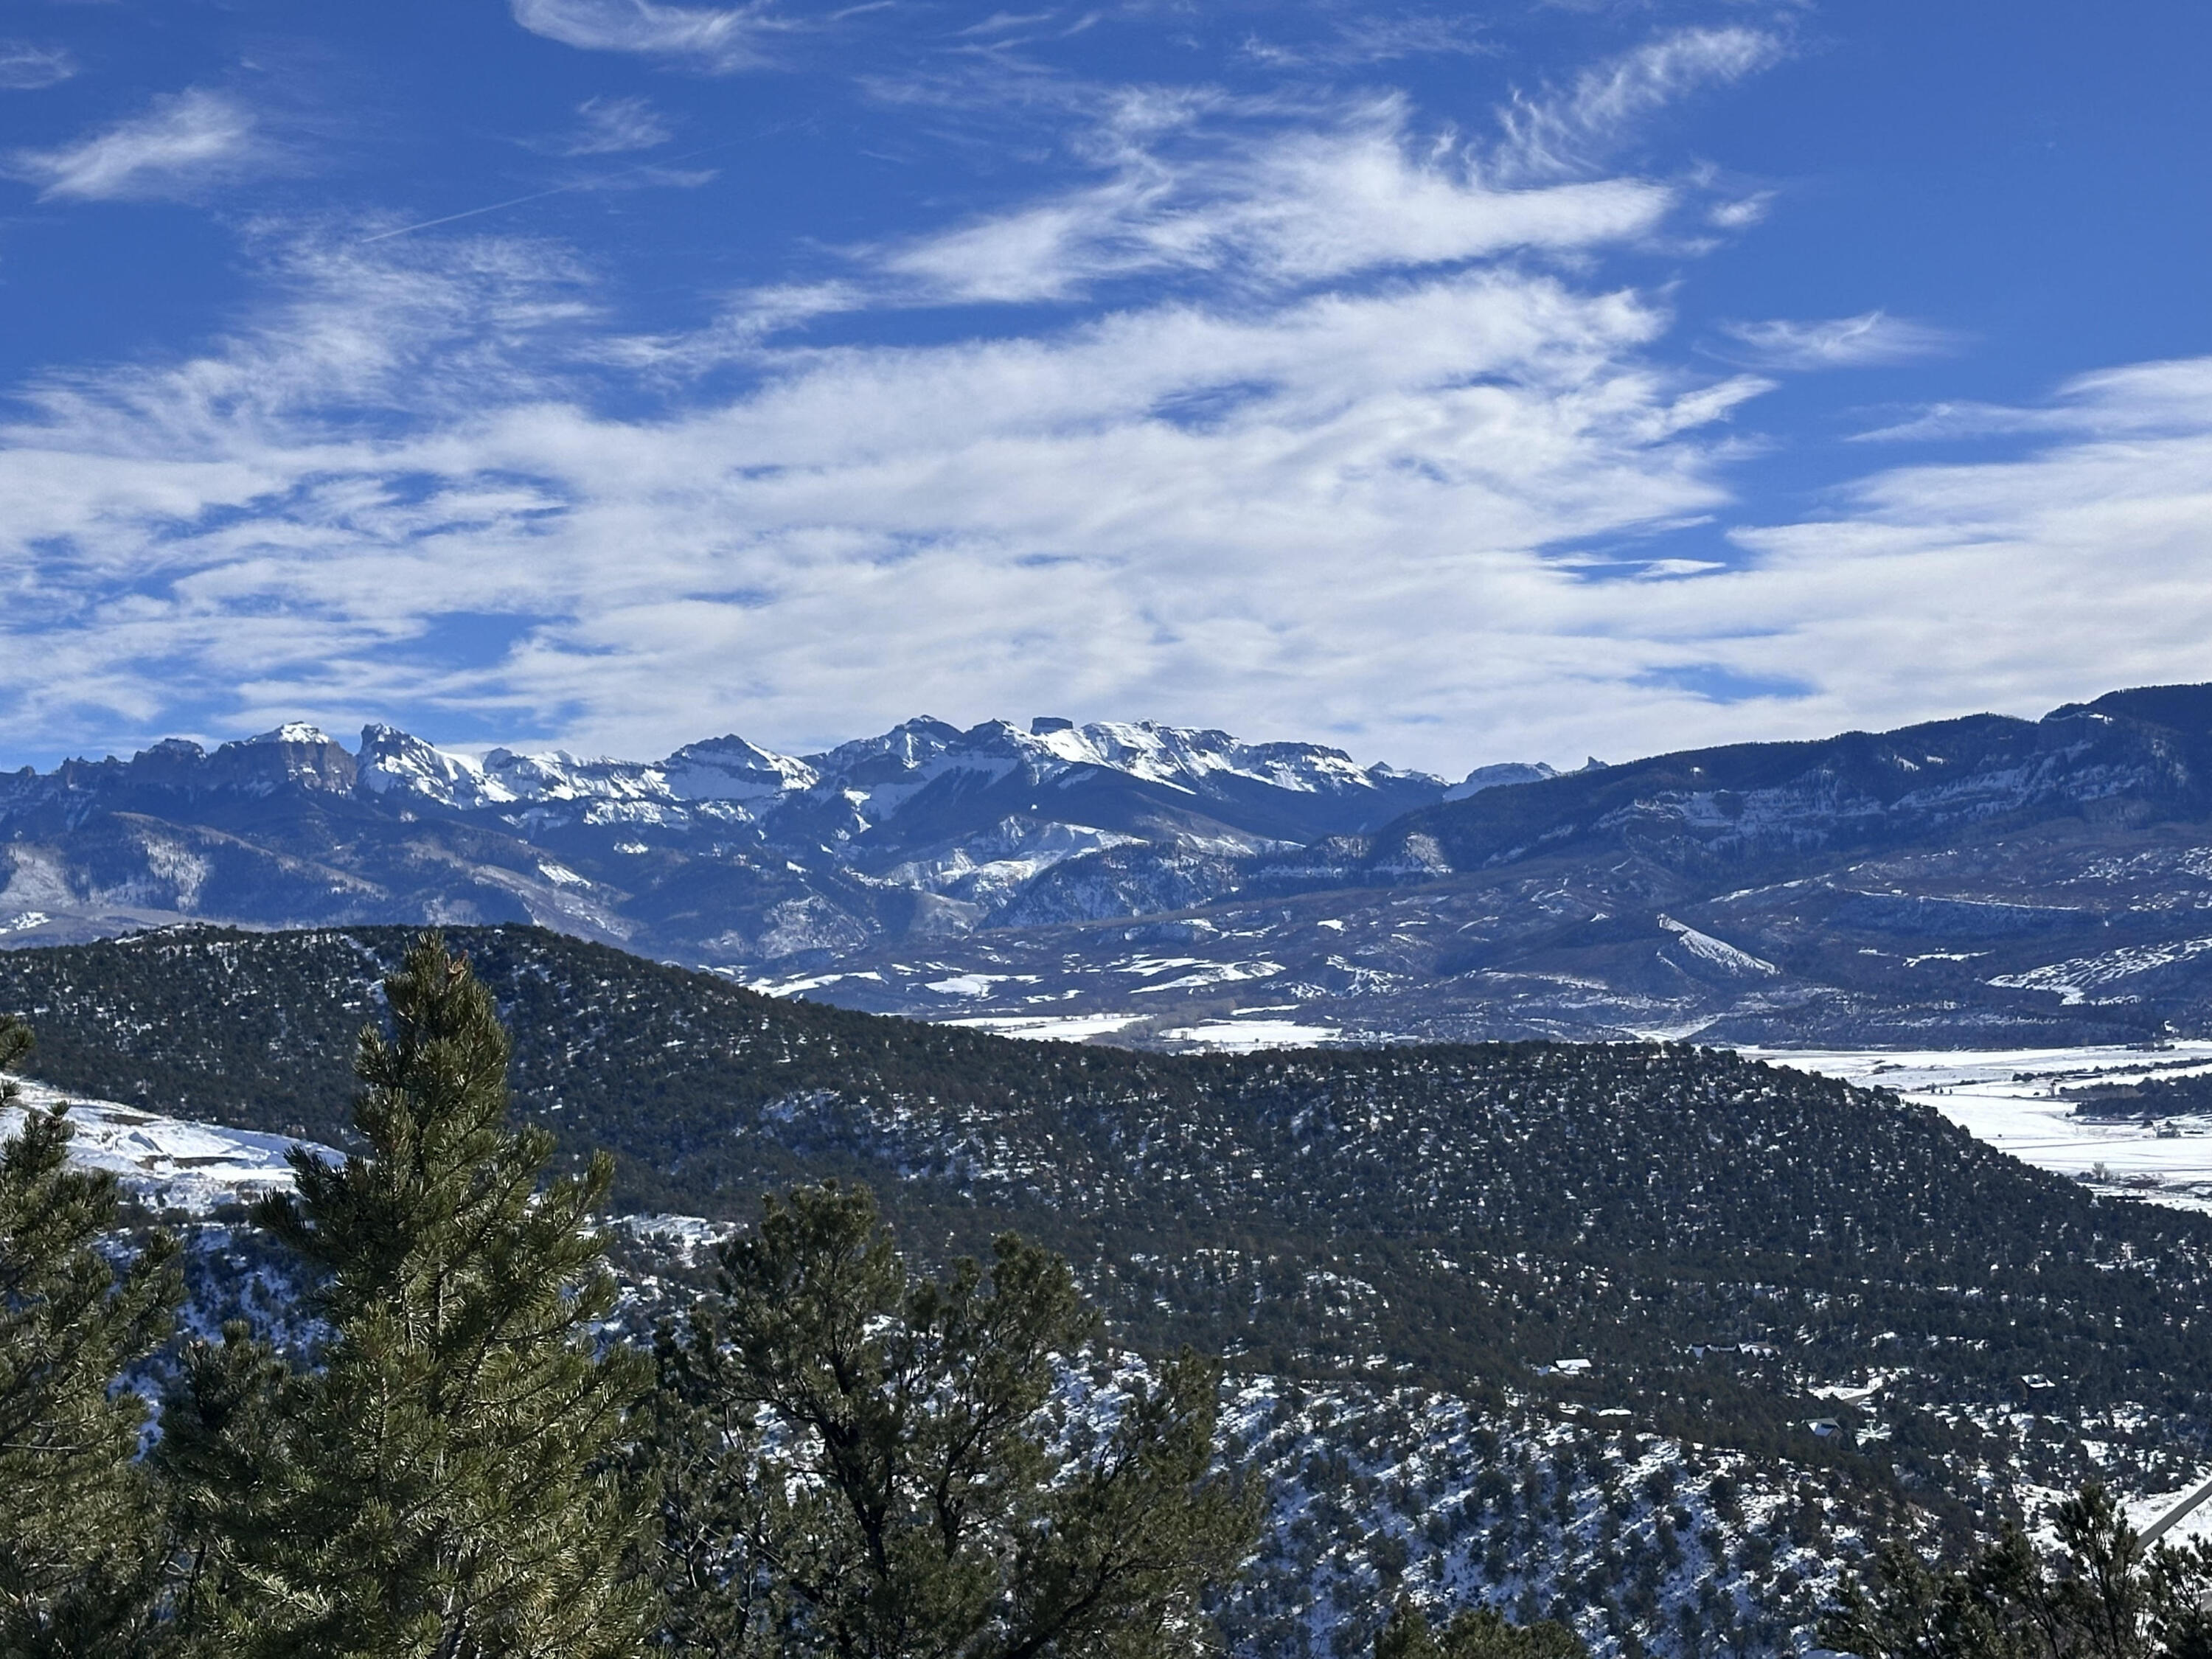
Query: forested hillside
(1713, 1235)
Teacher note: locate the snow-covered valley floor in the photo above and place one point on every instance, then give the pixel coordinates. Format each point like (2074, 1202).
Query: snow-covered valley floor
(2014, 1099)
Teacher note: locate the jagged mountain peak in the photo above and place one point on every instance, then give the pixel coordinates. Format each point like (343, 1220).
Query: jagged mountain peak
(393, 760)
(724, 850)
(1180, 757)
(731, 767)
(300, 732)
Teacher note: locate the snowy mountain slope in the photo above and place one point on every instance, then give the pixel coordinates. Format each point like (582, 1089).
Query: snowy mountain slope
(1369, 1490)
(1983, 881)
(1642, 1331)
(722, 851)
(1980, 883)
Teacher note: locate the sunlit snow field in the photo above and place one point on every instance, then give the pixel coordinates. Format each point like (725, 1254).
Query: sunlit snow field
(2010, 1097)
(170, 1161)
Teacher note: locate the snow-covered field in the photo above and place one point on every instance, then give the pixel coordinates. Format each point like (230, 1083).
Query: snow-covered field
(1244, 1037)
(166, 1160)
(1048, 1028)
(1236, 1035)
(2013, 1098)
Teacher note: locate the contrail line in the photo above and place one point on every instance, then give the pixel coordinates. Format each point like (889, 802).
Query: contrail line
(540, 195)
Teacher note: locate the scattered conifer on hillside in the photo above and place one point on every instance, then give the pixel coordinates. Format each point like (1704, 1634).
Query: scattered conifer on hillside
(441, 1485)
(2104, 1596)
(865, 1466)
(1474, 1633)
(80, 1523)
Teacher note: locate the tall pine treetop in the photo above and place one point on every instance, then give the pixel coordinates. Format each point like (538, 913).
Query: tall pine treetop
(446, 1484)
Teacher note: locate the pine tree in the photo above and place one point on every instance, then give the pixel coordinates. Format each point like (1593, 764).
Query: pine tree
(444, 1484)
(79, 1520)
(2101, 1595)
(865, 1465)
(1474, 1633)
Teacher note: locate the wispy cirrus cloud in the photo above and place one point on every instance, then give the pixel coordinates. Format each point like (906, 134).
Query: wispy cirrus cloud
(1871, 339)
(718, 39)
(1379, 448)
(1312, 200)
(615, 126)
(1572, 129)
(1198, 514)
(1358, 41)
(27, 66)
(1174, 507)
(2157, 399)
(2012, 584)
(184, 144)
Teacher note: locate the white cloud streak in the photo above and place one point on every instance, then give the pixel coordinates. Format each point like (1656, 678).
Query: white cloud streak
(184, 144)
(615, 126)
(1307, 205)
(718, 39)
(26, 66)
(1571, 130)
(1376, 40)
(1872, 339)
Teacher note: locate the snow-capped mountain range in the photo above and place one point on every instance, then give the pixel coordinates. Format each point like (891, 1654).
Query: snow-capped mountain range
(731, 779)
(722, 851)
(1985, 880)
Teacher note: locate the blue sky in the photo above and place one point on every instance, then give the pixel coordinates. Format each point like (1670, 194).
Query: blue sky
(1455, 386)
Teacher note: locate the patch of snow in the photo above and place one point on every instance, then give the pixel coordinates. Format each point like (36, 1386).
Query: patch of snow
(1213, 972)
(169, 1161)
(1493, 777)
(1244, 1037)
(1717, 951)
(2011, 1098)
(1046, 1028)
(2074, 979)
(393, 760)
(292, 731)
(967, 985)
(691, 1235)
(731, 770)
